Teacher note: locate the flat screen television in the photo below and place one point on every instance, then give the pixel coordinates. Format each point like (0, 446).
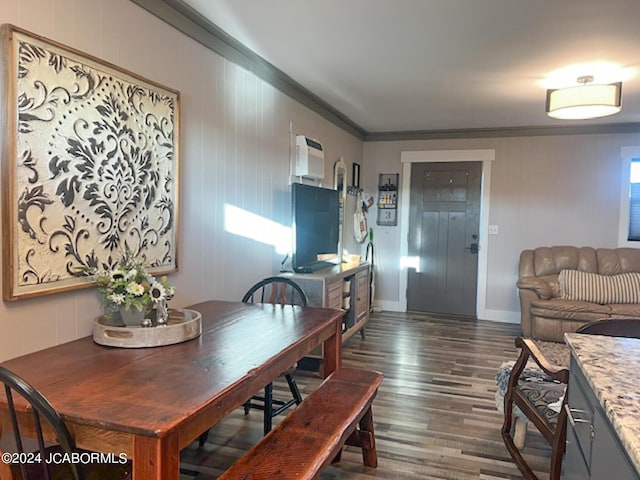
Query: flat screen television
(315, 226)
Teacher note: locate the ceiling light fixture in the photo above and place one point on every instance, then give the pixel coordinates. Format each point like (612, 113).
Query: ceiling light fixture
(589, 100)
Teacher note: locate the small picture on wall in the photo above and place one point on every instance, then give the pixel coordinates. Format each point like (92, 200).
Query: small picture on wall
(90, 167)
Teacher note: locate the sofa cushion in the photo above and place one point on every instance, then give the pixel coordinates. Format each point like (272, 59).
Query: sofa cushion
(618, 260)
(550, 260)
(628, 310)
(602, 289)
(569, 309)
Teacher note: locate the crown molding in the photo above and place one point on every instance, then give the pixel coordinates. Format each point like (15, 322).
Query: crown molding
(503, 132)
(185, 19)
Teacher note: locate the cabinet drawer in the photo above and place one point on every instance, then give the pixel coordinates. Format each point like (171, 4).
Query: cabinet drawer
(334, 294)
(362, 294)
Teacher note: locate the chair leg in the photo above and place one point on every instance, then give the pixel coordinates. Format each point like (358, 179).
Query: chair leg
(268, 408)
(362, 333)
(247, 407)
(520, 432)
(202, 439)
(559, 444)
(293, 386)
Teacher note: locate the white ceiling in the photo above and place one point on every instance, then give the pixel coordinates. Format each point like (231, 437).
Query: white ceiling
(421, 65)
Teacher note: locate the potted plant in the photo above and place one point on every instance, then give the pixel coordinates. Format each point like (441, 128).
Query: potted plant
(130, 290)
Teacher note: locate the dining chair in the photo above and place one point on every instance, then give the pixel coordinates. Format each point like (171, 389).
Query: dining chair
(532, 393)
(18, 392)
(277, 291)
(283, 291)
(541, 396)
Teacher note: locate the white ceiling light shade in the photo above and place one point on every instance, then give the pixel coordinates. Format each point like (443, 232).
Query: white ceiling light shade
(585, 101)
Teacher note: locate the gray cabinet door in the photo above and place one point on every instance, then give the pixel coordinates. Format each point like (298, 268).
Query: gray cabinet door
(608, 461)
(574, 466)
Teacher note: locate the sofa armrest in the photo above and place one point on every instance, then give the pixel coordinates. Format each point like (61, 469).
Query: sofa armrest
(540, 287)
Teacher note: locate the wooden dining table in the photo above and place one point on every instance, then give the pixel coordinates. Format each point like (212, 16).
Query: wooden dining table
(149, 403)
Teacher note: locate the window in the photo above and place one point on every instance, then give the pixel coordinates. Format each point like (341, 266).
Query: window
(629, 223)
(634, 201)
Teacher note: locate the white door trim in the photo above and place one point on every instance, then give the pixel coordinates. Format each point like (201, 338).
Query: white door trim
(485, 156)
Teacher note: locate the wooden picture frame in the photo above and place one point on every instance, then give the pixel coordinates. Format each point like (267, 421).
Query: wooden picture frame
(89, 167)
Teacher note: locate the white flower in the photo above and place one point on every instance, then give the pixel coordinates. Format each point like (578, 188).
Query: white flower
(117, 298)
(118, 274)
(130, 274)
(169, 292)
(135, 289)
(157, 292)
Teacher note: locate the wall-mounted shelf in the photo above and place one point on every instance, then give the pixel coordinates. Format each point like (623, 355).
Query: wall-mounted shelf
(387, 199)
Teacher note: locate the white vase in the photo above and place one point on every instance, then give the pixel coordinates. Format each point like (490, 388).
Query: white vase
(131, 316)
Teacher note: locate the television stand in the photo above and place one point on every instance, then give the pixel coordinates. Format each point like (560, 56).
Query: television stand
(314, 267)
(344, 286)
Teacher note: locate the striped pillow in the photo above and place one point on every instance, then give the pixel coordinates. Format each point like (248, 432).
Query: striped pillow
(602, 289)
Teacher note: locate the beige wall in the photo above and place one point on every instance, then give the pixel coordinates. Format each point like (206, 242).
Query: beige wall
(544, 191)
(234, 150)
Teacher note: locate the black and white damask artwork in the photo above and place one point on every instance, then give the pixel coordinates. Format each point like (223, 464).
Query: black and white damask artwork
(93, 167)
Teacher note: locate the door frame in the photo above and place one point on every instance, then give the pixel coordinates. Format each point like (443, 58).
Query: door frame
(486, 156)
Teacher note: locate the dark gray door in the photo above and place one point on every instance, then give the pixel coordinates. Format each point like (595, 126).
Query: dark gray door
(443, 234)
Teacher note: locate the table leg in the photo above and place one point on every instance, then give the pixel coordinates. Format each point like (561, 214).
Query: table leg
(5, 471)
(332, 350)
(156, 458)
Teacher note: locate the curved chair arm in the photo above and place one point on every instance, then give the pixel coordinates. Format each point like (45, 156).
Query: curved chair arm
(528, 349)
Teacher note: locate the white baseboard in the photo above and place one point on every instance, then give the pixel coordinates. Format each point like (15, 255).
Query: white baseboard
(387, 306)
(502, 316)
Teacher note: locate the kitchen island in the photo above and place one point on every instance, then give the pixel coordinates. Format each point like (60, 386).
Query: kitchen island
(603, 432)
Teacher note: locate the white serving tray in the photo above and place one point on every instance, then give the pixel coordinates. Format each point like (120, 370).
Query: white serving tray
(182, 325)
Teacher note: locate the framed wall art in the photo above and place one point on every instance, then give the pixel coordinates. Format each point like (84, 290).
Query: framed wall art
(89, 167)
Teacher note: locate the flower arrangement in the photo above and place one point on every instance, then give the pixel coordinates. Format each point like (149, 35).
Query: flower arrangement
(129, 285)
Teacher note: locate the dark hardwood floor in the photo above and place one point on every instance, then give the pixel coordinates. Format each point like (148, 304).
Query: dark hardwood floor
(435, 414)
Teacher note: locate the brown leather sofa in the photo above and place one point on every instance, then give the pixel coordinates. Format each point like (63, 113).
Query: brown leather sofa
(546, 316)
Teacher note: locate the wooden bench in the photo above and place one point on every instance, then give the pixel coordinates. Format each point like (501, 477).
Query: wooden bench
(312, 435)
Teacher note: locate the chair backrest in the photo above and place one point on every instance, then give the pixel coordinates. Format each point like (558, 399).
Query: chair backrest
(40, 409)
(626, 327)
(276, 290)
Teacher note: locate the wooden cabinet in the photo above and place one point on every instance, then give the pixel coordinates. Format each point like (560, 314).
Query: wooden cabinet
(361, 295)
(344, 286)
(593, 448)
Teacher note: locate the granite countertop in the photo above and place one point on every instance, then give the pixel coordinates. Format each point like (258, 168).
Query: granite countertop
(612, 368)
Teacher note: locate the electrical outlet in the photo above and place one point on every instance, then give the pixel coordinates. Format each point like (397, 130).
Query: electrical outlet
(493, 229)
